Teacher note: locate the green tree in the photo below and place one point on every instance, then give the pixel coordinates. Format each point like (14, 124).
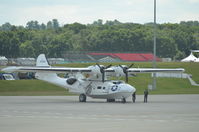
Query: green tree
(99, 22)
(42, 26)
(32, 25)
(49, 25)
(75, 27)
(55, 23)
(9, 44)
(6, 27)
(26, 49)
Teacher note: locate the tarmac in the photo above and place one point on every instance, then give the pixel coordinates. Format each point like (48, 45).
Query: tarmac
(162, 113)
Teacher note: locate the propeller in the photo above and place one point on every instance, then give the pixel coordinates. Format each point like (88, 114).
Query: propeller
(125, 70)
(102, 70)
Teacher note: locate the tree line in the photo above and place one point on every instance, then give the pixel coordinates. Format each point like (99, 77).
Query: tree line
(174, 40)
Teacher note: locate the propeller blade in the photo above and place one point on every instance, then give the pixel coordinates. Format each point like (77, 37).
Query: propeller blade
(103, 75)
(98, 65)
(108, 66)
(131, 65)
(127, 77)
(125, 70)
(102, 70)
(121, 66)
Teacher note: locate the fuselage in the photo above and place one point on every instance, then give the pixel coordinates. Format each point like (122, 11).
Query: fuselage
(110, 89)
(105, 90)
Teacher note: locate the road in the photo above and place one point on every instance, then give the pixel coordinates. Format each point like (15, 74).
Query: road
(165, 113)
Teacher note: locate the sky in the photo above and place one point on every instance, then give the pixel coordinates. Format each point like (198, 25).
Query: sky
(19, 12)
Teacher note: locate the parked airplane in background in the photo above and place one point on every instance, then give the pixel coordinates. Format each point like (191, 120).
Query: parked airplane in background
(90, 81)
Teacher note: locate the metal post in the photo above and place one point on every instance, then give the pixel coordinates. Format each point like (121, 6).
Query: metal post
(154, 47)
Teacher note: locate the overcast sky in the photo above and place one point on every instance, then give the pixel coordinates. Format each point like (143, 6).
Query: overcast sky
(19, 12)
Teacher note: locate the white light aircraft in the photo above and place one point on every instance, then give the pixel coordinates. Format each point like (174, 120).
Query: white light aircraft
(91, 81)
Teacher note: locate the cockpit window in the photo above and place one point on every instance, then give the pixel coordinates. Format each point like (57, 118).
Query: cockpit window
(99, 87)
(118, 82)
(71, 81)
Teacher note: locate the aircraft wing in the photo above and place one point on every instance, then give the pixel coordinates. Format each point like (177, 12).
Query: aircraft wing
(151, 70)
(45, 69)
(85, 70)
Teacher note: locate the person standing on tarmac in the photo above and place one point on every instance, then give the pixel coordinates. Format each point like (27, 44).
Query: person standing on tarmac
(134, 97)
(146, 92)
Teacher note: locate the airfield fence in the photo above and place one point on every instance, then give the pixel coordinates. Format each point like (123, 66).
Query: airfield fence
(93, 56)
(87, 57)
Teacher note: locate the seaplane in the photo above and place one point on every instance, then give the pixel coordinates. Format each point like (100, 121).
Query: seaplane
(91, 81)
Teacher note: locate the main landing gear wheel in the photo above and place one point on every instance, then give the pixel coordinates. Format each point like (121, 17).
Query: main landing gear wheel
(82, 98)
(110, 100)
(123, 100)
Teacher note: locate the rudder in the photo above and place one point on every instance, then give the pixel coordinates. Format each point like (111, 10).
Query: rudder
(42, 61)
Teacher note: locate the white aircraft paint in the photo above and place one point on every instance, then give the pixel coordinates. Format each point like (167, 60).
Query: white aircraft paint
(88, 81)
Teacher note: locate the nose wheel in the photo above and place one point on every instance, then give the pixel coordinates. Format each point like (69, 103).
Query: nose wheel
(123, 100)
(82, 98)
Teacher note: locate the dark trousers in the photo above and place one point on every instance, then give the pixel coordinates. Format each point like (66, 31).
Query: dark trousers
(145, 98)
(133, 99)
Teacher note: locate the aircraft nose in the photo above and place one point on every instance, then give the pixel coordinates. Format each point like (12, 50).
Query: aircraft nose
(127, 88)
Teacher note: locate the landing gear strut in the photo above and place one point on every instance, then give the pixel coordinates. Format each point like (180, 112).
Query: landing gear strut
(82, 98)
(123, 100)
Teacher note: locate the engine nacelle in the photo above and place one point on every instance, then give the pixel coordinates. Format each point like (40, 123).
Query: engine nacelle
(118, 71)
(96, 73)
(95, 69)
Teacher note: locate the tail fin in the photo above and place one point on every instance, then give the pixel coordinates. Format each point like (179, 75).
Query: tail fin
(45, 76)
(42, 61)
